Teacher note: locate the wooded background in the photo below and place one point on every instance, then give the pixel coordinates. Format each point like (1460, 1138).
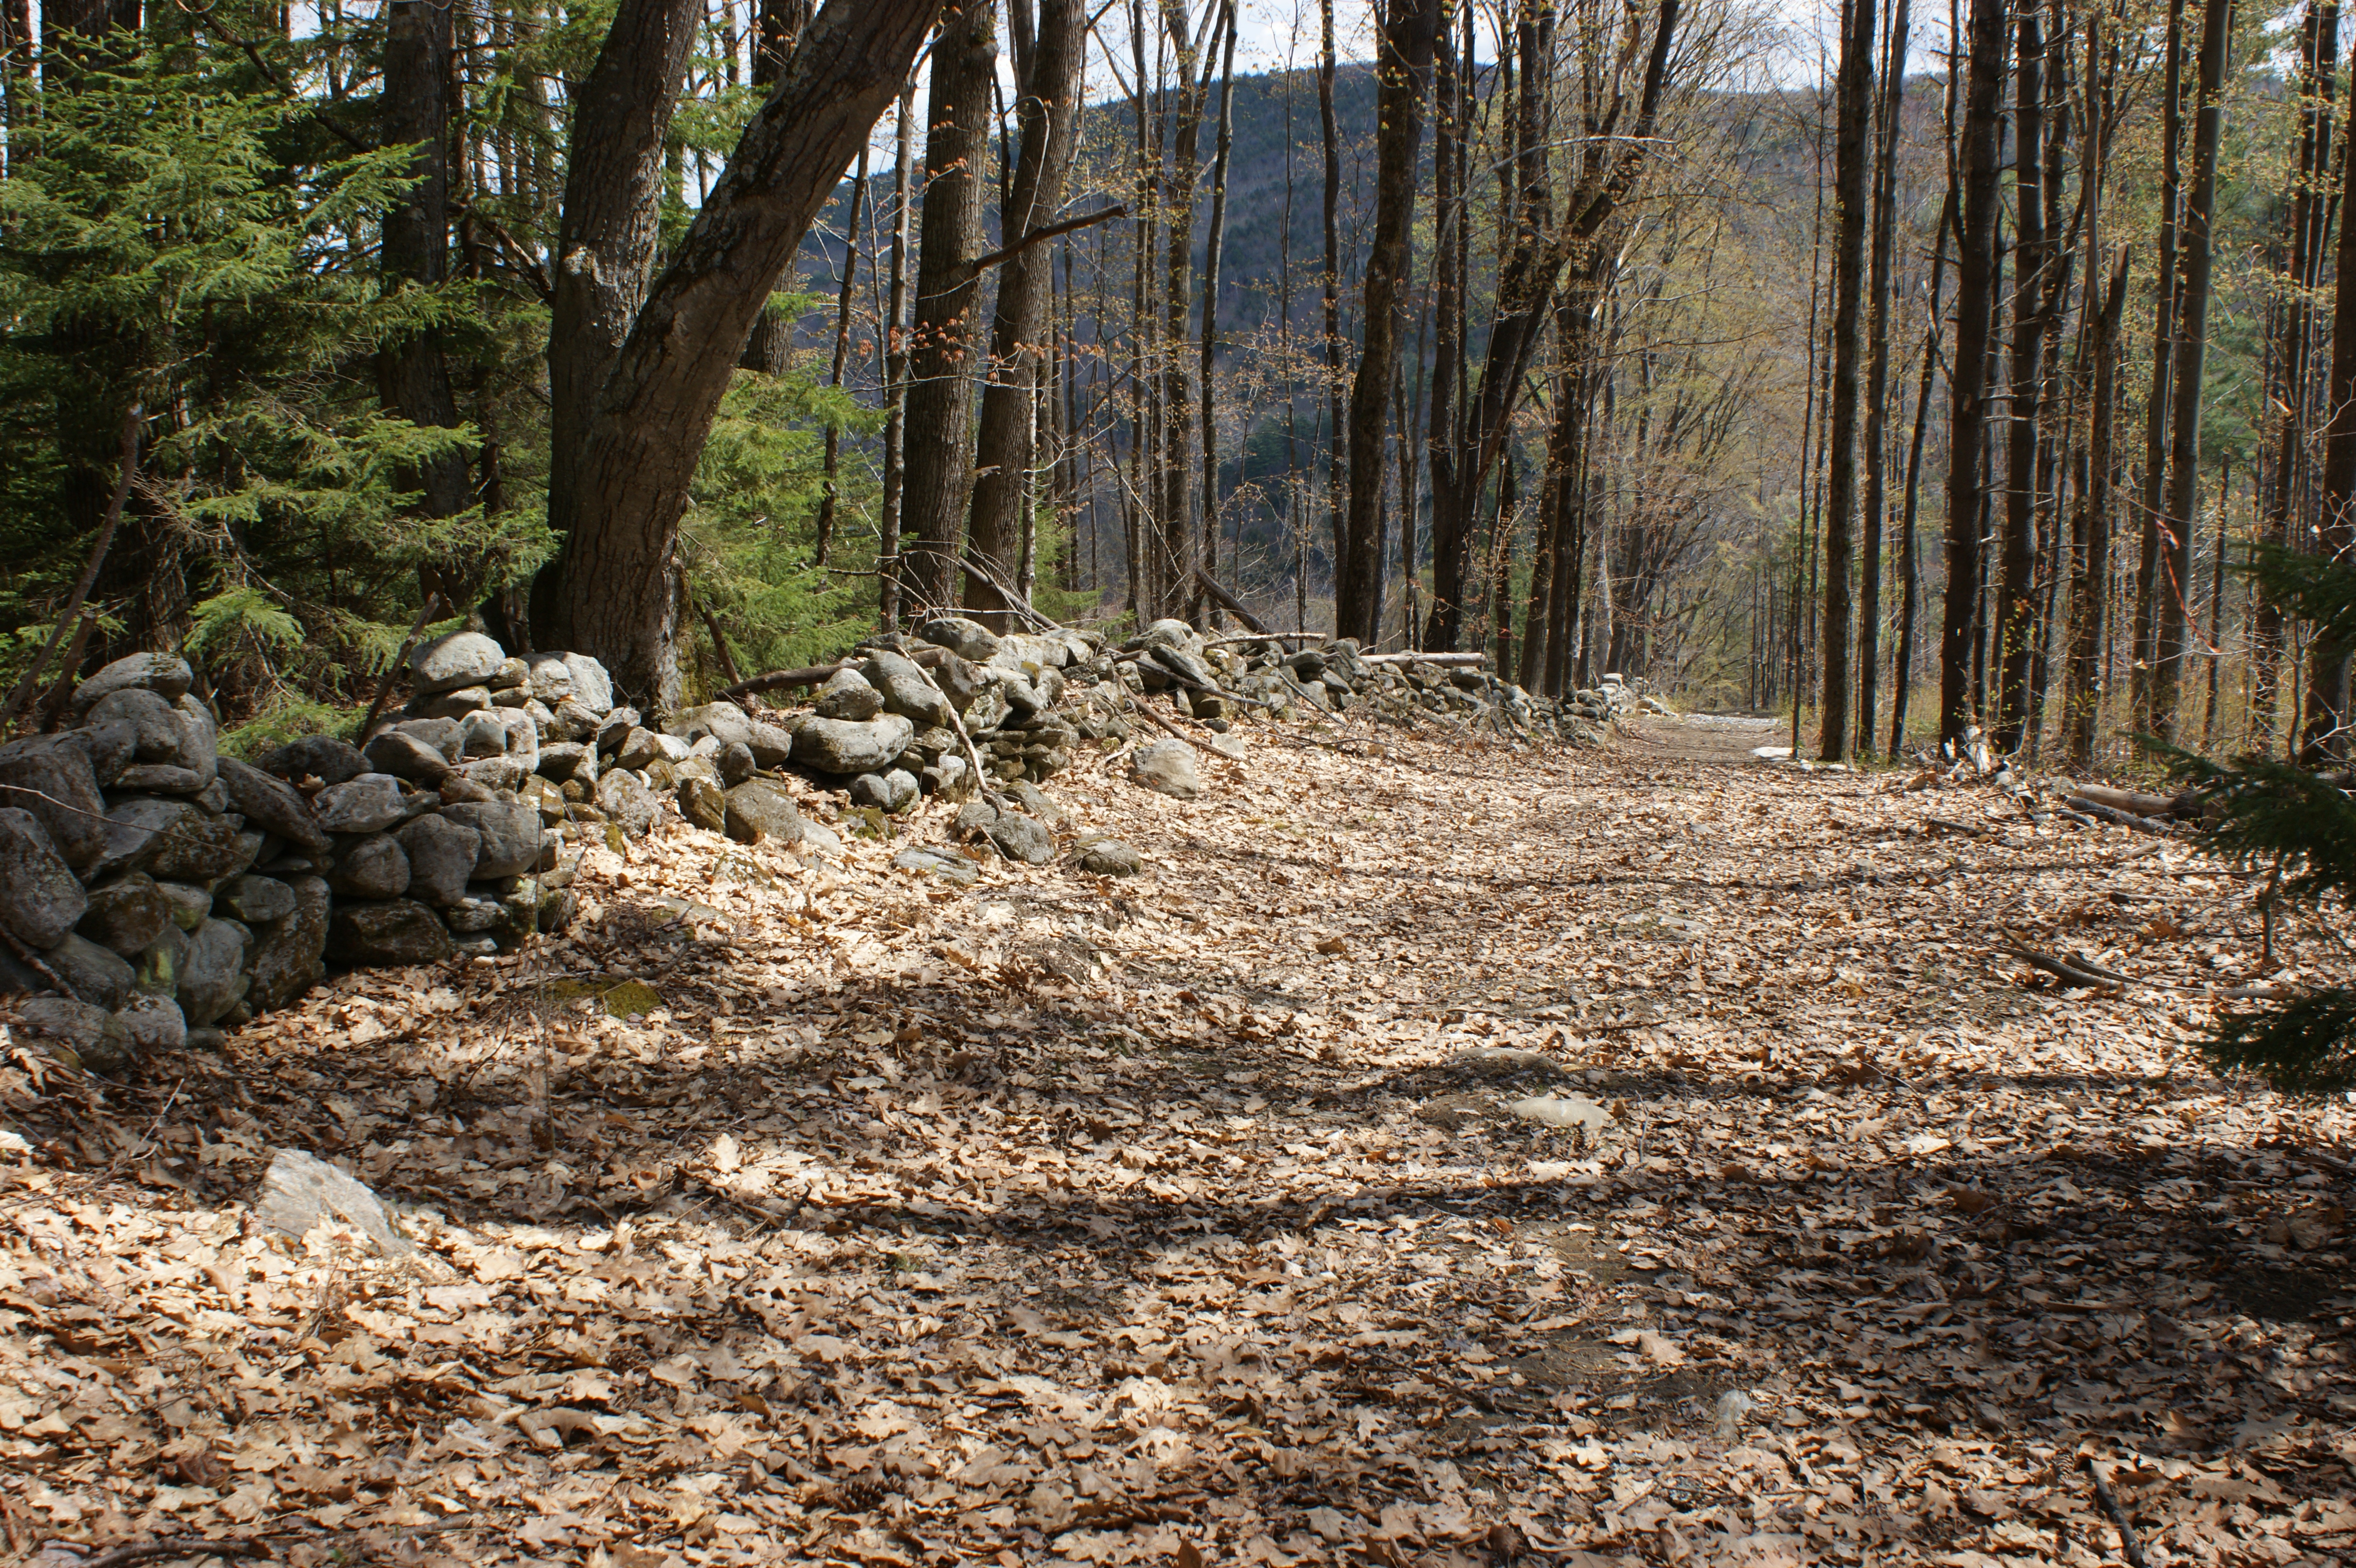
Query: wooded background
(1777, 360)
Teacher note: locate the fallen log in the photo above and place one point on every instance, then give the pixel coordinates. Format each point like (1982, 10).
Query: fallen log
(1234, 606)
(2114, 814)
(2069, 974)
(2135, 802)
(779, 680)
(1445, 660)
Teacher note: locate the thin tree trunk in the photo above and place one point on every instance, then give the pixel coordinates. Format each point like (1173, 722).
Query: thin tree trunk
(1336, 481)
(1885, 227)
(891, 576)
(777, 27)
(1212, 254)
(2163, 355)
(2015, 608)
(828, 497)
(1851, 158)
(2082, 703)
(1975, 307)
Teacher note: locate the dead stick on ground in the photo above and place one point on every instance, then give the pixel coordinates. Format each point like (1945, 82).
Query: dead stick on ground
(424, 614)
(2129, 1547)
(2062, 971)
(188, 1546)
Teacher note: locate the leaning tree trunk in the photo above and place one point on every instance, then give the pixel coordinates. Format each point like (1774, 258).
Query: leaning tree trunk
(1975, 311)
(1403, 70)
(618, 591)
(607, 237)
(2169, 636)
(1006, 452)
(1850, 158)
(946, 336)
(412, 375)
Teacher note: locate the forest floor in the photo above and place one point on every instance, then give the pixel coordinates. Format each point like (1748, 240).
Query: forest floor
(1202, 1218)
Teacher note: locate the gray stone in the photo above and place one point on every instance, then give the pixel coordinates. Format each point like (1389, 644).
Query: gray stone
(701, 802)
(152, 724)
(545, 798)
(153, 1023)
(945, 864)
(272, 804)
(510, 837)
(593, 687)
(287, 954)
(841, 747)
(446, 736)
(735, 763)
(99, 977)
(406, 755)
(770, 744)
(77, 1033)
(165, 674)
(565, 759)
(965, 638)
(1108, 857)
(40, 899)
(188, 902)
(906, 690)
(450, 705)
(199, 738)
(158, 968)
(254, 900)
(109, 748)
(1167, 768)
(300, 1192)
(367, 804)
(320, 756)
(614, 729)
(627, 802)
(161, 779)
(1504, 1061)
(461, 659)
(441, 855)
(1034, 800)
(458, 788)
(570, 721)
(638, 747)
(477, 914)
(951, 777)
(1023, 700)
(500, 775)
(126, 914)
(960, 680)
(373, 865)
(398, 931)
(883, 791)
(818, 839)
(50, 777)
(723, 721)
(213, 978)
(848, 695)
(989, 709)
(485, 734)
(1563, 1110)
(511, 673)
(759, 809)
(1018, 837)
(550, 677)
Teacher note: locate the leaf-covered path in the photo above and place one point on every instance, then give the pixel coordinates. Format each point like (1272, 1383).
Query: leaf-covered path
(1192, 1217)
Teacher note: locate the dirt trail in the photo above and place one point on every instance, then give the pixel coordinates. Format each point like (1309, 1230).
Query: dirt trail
(1069, 1219)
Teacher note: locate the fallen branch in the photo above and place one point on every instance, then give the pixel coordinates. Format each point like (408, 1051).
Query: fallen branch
(2129, 1547)
(1444, 660)
(2124, 819)
(183, 1546)
(779, 680)
(1953, 826)
(1235, 606)
(2068, 974)
(384, 687)
(22, 695)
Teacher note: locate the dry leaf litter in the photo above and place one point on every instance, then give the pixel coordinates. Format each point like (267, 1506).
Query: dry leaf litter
(1443, 1152)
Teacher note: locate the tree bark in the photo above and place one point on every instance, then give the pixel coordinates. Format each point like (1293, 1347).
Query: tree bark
(945, 342)
(2017, 560)
(1850, 159)
(617, 596)
(1403, 74)
(777, 27)
(1877, 393)
(1213, 247)
(2163, 353)
(2082, 701)
(889, 570)
(1048, 111)
(2321, 737)
(2184, 417)
(1974, 310)
(1336, 477)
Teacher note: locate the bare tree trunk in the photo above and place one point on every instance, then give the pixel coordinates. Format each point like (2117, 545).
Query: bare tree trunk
(1336, 478)
(776, 27)
(2184, 418)
(1910, 608)
(945, 342)
(2082, 702)
(2163, 353)
(1975, 308)
(2017, 563)
(1212, 249)
(2322, 736)
(827, 496)
(617, 595)
(1048, 109)
(891, 573)
(1851, 158)
(1877, 393)
(1403, 71)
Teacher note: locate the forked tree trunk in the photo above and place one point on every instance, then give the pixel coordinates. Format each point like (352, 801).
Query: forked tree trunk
(1006, 452)
(617, 595)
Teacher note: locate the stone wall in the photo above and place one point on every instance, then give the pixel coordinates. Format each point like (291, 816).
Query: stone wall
(152, 890)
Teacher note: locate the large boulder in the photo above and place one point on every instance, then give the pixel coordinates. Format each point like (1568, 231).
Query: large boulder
(400, 930)
(50, 777)
(286, 954)
(367, 804)
(373, 866)
(170, 839)
(1167, 768)
(165, 674)
(570, 721)
(441, 855)
(461, 659)
(126, 914)
(402, 754)
(758, 810)
(213, 978)
(549, 676)
(510, 837)
(770, 744)
(1018, 837)
(627, 802)
(273, 805)
(841, 747)
(906, 690)
(89, 972)
(320, 756)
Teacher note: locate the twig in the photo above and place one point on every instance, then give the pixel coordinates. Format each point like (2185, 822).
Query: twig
(983, 264)
(182, 1546)
(32, 961)
(1952, 826)
(2066, 973)
(2129, 1547)
(22, 695)
(384, 688)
